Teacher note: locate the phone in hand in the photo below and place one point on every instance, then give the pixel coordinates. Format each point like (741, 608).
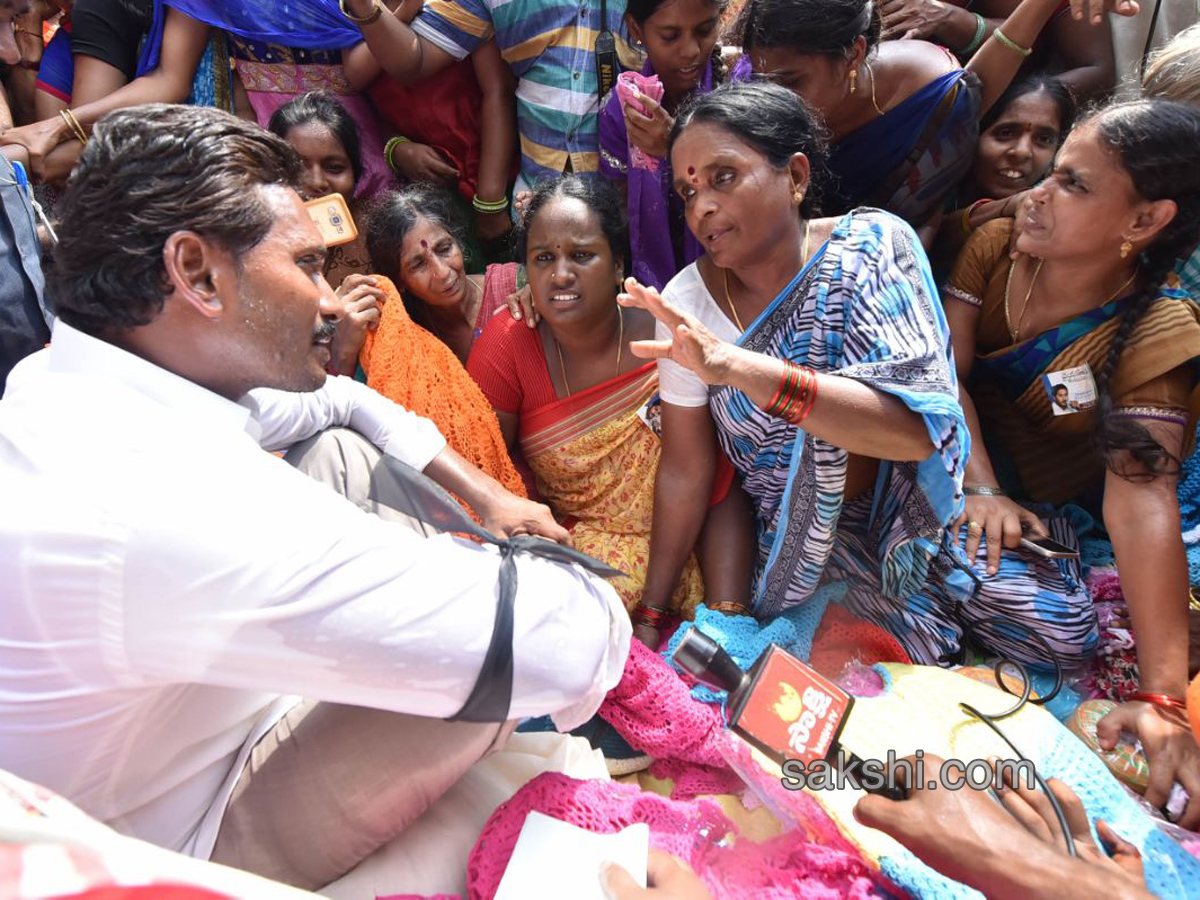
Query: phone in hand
(1051, 549)
(332, 217)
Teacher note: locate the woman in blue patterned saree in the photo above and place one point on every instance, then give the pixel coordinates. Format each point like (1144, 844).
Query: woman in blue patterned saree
(836, 402)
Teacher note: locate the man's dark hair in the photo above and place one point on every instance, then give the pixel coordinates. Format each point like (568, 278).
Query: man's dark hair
(1059, 387)
(145, 174)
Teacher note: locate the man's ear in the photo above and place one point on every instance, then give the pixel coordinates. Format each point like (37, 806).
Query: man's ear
(196, 272)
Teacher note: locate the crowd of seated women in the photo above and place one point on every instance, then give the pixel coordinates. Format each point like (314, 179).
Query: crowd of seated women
(869, 292)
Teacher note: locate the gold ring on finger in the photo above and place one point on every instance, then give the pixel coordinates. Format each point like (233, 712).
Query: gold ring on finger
(974, 528)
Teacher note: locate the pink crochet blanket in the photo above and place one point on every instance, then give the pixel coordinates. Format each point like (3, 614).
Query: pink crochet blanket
(653, 709)
(788, 866)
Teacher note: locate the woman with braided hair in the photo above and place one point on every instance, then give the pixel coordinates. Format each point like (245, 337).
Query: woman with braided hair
(1088, 301)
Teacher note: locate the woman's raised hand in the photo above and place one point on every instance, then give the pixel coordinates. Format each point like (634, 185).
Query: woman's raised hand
(692, 345)
(520, 306)
(1094, 10)
(648, 132)
(363, 300)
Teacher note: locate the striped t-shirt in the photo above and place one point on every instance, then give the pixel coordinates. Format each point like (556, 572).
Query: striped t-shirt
(549, 44)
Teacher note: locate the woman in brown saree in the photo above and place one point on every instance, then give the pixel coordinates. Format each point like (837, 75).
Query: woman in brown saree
(1080, 383)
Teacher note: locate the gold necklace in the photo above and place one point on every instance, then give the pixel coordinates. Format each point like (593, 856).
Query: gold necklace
(620, 346)
(1015, 334)
(874, 102)
(725, 276)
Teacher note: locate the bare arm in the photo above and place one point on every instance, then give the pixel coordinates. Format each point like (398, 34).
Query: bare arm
(1142, 518)
(681, 490)
(936, 20)
(503, 513)
(996, 64)
(400, 51)
(184, 39)
(1086, 52)
(94, 80)
(361, 66)
(498, 134)
(848, 413)
(727, 548)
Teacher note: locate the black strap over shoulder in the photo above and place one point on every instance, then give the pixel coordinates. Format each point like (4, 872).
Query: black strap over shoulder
(606, 55)
(406, 490)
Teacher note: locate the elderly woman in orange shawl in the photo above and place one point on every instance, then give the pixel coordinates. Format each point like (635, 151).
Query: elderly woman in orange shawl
(407, 364)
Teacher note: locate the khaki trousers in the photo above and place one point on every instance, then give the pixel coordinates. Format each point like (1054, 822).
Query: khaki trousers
(330, 783)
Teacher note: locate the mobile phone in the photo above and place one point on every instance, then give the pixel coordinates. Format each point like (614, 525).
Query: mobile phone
(1044, 546)
(333, 219)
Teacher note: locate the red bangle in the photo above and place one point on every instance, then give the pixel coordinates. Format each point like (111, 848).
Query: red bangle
(810, 397)
(650, 616)
(785, 393)
(1164, 700)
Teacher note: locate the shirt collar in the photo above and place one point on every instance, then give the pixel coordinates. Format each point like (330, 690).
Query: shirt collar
(73, 352)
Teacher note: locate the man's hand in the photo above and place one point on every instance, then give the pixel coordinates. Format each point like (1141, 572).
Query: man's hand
(667, 878)
(508, 515)
(907, 19)
(1032, 809)
(420, 162)
(968, 836)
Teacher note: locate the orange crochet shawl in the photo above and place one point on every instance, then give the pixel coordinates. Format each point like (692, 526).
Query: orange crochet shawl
(407, 364)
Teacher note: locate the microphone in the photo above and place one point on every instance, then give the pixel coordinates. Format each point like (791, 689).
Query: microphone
(782, 707)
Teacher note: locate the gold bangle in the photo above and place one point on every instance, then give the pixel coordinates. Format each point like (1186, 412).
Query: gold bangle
(376, 12)
(73, 125)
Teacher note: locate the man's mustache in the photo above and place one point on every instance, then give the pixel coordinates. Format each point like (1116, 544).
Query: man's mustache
(326, 332)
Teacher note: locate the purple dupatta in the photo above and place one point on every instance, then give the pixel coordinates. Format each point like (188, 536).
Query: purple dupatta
(651, 200)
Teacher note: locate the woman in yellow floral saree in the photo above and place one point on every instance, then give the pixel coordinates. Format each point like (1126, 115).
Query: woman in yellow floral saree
(570, 396)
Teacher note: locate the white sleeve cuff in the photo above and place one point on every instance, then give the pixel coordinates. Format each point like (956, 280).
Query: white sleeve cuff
(283, 418)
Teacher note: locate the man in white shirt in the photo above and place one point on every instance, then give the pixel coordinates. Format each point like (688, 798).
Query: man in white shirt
(166, 582)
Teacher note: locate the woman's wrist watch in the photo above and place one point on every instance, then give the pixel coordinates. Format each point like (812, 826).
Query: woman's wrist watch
(376, 12)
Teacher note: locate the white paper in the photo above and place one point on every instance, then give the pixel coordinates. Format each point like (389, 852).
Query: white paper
(553, 859)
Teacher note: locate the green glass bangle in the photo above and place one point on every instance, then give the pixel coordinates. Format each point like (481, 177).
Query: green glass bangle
(489, 206)
(980, 28)
(389, 148)
(1010, 44)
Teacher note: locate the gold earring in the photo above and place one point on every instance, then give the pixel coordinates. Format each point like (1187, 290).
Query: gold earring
(853, 80)
(1126, 249)
(799, 195)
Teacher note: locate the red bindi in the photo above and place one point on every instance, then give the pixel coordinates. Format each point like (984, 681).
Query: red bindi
(424, 245)
(692, 174)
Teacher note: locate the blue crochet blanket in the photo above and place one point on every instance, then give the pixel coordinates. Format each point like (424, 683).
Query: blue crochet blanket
(1171, 872)
(1189, 513)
